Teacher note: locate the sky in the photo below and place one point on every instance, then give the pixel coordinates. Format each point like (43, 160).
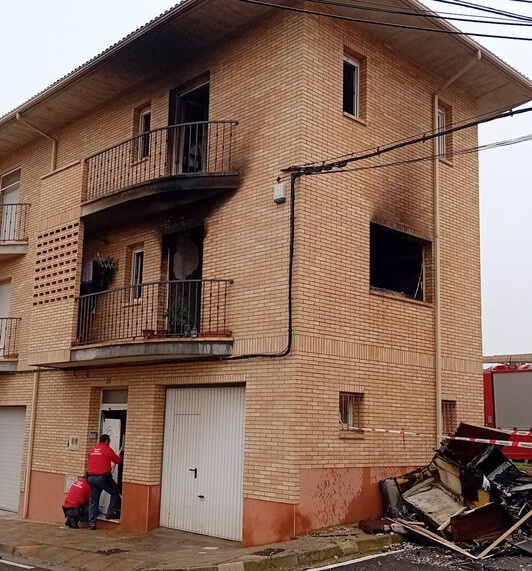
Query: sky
(41, 41)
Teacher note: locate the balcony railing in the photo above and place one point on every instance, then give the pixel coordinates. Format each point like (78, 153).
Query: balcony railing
(189, 148)
(8, 337)
(13, 226)
(173, 309)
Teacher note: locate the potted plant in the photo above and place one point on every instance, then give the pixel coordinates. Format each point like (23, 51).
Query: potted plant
(177, 319)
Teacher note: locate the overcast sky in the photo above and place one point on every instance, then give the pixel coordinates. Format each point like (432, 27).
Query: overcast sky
(40, 41)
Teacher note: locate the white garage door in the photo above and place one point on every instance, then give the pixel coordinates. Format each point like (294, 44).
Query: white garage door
(12, 420)
(201, 488)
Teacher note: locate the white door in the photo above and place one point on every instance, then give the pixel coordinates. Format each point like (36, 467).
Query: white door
(10, 196)
(12, 421)
(111, 426)
(203, 459)
(5, 300)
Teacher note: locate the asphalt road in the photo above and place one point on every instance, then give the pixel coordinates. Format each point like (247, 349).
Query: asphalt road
(427, 559)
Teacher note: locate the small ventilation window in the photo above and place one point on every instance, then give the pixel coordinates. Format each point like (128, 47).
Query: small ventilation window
(448, 409)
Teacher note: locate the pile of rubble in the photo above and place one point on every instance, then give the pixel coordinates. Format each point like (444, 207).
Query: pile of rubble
(470, 498)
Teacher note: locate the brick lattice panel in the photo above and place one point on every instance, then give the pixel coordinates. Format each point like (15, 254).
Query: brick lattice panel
(55, 272)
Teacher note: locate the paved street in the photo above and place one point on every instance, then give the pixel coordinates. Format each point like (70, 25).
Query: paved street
(429, 559)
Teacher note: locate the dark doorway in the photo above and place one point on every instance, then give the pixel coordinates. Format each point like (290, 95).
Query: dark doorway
(192, 113)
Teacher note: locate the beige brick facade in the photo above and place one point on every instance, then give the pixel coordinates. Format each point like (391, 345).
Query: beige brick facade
(281, 79)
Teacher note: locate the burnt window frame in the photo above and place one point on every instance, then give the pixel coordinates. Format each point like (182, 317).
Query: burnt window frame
(421, 291)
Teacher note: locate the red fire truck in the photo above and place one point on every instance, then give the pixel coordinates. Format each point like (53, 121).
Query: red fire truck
(508, 403)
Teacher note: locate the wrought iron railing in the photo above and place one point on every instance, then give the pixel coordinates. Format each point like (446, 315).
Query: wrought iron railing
(8, 337)
(189, 148)
(13, 222)
(172, 309)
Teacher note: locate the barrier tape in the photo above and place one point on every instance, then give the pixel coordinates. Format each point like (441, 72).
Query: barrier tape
(512, 443)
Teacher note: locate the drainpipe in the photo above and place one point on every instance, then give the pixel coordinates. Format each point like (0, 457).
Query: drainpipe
(29, 460)
(20, 119)
(437, 253)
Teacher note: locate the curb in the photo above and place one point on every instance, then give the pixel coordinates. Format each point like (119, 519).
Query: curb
(342, 549)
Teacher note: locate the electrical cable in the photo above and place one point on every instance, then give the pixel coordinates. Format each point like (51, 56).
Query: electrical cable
(392, 147)
(486, 147)
(386, 24)
(433, 15)
(482, 8)
(409, 138)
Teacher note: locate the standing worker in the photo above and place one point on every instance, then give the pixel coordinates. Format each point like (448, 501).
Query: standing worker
(100, 479)
(76, 506)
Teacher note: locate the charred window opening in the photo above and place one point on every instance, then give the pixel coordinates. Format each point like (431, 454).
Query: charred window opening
(397, 262)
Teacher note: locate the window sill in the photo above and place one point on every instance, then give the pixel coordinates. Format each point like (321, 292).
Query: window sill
(350, 434)
(355, 118)
(399, 297)
(447, 162)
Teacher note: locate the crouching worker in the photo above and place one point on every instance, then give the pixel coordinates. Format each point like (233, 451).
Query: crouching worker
(76, 506)
(100, 479)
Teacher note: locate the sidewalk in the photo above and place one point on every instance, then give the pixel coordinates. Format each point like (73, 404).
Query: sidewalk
(165, 549)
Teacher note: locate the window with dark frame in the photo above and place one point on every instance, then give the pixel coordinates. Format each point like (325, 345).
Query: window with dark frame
(397, 262)
(351, 90)
(137, 268)
(448, 409)
(441, 142)
(144, 129)
(351, 410)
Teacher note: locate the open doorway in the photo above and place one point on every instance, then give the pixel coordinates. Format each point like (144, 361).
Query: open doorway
(113, 417)
(192, 112)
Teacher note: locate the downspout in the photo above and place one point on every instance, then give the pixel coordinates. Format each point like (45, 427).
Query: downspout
(437, 252)
(29, 459)
(20, 119)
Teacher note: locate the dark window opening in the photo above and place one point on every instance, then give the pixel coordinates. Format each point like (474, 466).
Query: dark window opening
(351, 410)
(396, 262)
(351, 87)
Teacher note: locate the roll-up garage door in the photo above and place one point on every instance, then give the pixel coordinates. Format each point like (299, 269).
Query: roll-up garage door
(12, 420)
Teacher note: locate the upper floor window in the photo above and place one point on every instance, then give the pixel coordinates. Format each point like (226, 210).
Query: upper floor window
(12, 212)
(351, 410)
(137, 268)
(440, 141)
(397, 262)
(351, 87)
(144, 128)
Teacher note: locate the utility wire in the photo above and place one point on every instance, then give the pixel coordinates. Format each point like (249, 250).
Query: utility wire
(483, 8)
(387, 24)
(379, 151)
(488, 146)
(430, 13)
(409, 138)
(434, 16)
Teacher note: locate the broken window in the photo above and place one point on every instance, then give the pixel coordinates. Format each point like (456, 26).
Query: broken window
(397, 262)
(351, 410)
(448, 410)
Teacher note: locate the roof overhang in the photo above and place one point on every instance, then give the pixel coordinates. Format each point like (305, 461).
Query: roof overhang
(188, 29)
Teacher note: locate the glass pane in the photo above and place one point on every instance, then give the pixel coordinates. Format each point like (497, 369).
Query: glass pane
(114, 396)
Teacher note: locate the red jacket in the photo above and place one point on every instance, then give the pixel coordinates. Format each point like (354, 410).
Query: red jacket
(79, 494)
(100, 458)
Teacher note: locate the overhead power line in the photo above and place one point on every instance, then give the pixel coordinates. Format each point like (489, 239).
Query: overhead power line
(482, 8)
(488, 146)
(383, 9)
(387, 24)
(388, 148)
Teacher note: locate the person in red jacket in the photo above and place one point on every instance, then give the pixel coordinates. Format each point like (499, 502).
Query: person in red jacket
(100, 479)
(76, 506)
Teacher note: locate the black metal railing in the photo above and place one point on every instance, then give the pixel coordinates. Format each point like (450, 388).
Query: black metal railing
(13, 222)
(8, 337)
(190, 308)
(189, 148)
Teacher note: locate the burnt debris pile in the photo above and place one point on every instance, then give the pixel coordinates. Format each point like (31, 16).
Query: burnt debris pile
(470, 498)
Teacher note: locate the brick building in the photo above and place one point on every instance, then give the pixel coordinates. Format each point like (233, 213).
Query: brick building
(152, 288)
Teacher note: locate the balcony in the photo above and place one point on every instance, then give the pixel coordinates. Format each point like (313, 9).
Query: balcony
(159, 169)
(160, 321)
(8, 341)
(13, 230)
